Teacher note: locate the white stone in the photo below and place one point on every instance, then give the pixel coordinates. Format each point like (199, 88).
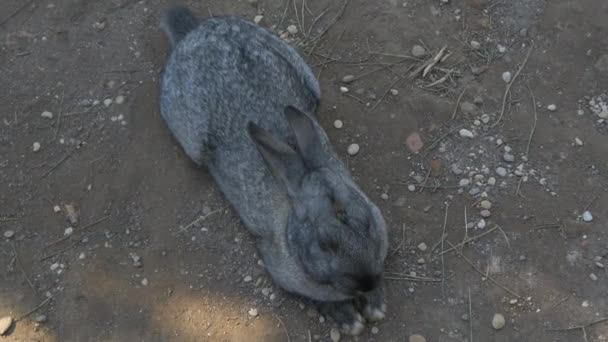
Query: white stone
(258, 18)
(47, 115)
(498, 321)
(344, 90)
(36, 146)
(587, 217)
(506, 76)
(353, 149)
(465, 133)
(552, 108)
(292, 29)
(338, 124)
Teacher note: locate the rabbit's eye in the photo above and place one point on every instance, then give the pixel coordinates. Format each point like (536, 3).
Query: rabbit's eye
(328, 246)
(340, 212)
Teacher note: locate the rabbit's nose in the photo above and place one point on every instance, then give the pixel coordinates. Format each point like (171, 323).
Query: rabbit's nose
(367, 282)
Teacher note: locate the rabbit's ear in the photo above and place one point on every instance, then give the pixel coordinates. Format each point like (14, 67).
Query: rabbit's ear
(307, 138)
(284, 163)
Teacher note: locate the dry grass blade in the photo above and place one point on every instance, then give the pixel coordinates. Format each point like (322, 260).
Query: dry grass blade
(27, 277)
(431, 146)
(48, 299)
(445, 222)
(471, 239)
(533, 123)
(458, 103)
(83, 228)
(482, 273)
(409, 277)
(284, 327)
(597, 321)
(507, 90)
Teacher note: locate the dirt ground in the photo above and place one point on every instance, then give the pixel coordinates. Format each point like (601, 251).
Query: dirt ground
(134, 268)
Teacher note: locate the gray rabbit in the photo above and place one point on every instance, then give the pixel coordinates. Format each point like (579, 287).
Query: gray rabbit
(242, 103)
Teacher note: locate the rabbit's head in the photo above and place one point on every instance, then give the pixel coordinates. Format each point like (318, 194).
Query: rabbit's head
(337, 234)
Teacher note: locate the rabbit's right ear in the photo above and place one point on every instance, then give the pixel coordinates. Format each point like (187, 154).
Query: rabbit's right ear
(284, 163)
(307, 138)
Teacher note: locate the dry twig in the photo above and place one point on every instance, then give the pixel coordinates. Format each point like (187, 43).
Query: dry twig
(34, 309)
(458, 103)
(507, 90)
(534, 123)
(27, 277)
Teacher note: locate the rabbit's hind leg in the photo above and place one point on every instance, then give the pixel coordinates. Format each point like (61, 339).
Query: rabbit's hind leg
(344, 314)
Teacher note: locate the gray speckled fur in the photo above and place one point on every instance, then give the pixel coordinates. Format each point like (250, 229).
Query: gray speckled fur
(224, 93)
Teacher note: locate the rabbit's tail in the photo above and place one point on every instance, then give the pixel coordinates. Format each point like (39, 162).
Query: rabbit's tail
(177, 22)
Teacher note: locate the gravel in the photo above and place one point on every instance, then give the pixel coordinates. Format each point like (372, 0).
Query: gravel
(485, 204)
(348, 79)
(353, 149)
(485, 213)
(509, 158)
(465, 133)
(334, 335)
(464, 182)
(587, 217)
(498, 321)
(417, 338)
(5, 324)
(501, 171)
(418, 51)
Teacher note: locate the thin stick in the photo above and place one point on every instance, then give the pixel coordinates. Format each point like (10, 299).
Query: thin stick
(590, 202)
(61, 251)
(388, 89)
(504, 98)
(333, 21)
(405, 276)
(58, 123)
(585, 335)
(445, 222)
(534, 123)
(284, 14)
(314, 21)
(400, 243)
(466, 227)
(471, 239)
(458, 103)
(309, 336)
(15, 12)
(63, 159)
(441, 138)
(518, 189)
(598, 321)
(470, 317)
(505, 236)
(429, 63)
(79, 230)
(354, 98)
(295, 9)
(196, 221)
(560, 302)
(426, 178)
(284, 328)
(482, 273)
(27, 277)
(34, 309)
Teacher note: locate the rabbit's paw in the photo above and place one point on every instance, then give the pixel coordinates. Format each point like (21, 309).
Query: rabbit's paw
(345, 316)
(374, 308)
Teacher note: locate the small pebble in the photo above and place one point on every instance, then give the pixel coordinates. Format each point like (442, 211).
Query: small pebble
(464, 182)
(417, 338)
(40, 319)
(552, 108)
(475, 44)
(585, 304)
(593, 277)
(599, 264)
(47, 115)
(501, 171)
(348, 79)
(498, 321)
(418, 51)
(506, 76)
(56, 209)
(509, 158)
(465, 133)
(353, 149)
(36, 146)
(394, 92)
(248, 279)
(481, 224)
(144, 282)
(485, 204)
(119, 99)
(491, 181)
(292, 29)
(411, 187)
(464, 317)
(9, 234)
(68, 231)
(253, 312)
(266, 291)
(375, 330)
(384, 196)
(334, 335)
(513, 301)
(343, 90)
(485, 118)
(587, 217)
(578, 141)
(502, 48)
(485, 213)
(422, 246)
(421, 261)
(338, 124)
(5, 325)
(258, 18)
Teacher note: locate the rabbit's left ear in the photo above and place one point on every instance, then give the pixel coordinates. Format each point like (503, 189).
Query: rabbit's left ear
(308, 141)
(284, 163)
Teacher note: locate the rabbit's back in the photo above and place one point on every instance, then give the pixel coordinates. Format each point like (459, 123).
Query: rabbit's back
(220, 76)
(224, 73)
